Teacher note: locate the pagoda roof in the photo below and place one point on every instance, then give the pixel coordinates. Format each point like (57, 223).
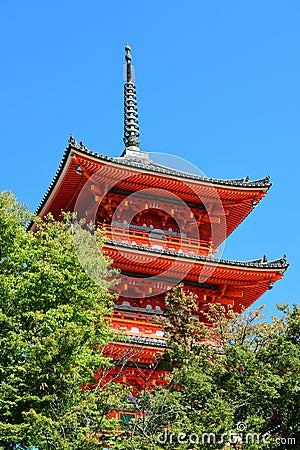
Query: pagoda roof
(149, 165)
(141, 161)
(145, 341)
(136, 309)
(239, 282)
(261, 263)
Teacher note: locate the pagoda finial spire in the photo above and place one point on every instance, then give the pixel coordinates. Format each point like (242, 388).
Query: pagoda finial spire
(131, 119)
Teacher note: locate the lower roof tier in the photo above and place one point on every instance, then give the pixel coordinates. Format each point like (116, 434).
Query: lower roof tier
(137, 350)
(136, 378)
(148, 273)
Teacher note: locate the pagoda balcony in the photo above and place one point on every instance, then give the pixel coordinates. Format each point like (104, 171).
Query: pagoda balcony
(157, 238)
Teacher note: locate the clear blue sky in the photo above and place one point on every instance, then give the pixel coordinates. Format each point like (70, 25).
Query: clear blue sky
(218, 84)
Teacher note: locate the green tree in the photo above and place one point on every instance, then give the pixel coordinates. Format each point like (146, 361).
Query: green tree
(52, 328)
(240, 374)
(180, 326)
(239, 380)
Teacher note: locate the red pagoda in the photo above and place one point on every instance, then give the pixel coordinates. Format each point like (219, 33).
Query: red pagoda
(163, 226)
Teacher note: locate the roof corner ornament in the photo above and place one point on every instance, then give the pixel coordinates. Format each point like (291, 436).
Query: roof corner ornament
(264, 259)
(71, 140)
(131, 120)
(72, 143)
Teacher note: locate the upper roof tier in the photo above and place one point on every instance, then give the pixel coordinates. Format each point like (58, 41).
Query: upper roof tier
(221, 205)
(140, 160)
(216, 207)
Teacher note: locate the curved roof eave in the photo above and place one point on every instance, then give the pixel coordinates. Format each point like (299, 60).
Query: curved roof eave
(262, 263)
(73, 145)
(148, 165)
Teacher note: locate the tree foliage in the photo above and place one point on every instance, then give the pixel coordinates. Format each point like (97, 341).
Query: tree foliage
(239, 381)
(51, 326)
(237, 378)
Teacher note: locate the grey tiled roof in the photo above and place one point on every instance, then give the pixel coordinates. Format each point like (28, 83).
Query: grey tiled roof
(148, 341)
(145, 311)
(262, 263)
(142, 161)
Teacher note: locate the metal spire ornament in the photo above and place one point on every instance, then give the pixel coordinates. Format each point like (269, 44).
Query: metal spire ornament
(131, 119)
